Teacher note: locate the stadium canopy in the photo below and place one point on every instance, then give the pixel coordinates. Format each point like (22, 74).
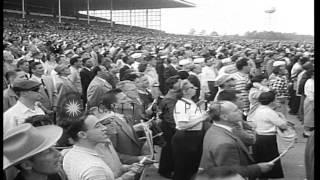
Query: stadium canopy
(80, 5)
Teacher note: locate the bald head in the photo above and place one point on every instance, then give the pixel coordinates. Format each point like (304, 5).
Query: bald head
(225, 110)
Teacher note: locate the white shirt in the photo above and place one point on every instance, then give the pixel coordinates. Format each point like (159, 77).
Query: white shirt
(81, 163)
(266, 120)
(209, 73)
(75, 78)
(223, 126)
(187, 111)
(309, 89)
(17, 114)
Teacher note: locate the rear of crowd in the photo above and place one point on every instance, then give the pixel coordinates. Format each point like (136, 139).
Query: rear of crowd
(78, 103)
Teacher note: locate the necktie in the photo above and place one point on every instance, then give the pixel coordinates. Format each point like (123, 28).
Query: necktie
(44, 87)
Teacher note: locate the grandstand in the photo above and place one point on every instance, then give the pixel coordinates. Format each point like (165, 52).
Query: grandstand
(142, 13)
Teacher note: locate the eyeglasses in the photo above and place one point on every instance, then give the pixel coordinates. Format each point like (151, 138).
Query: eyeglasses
(193, 87)
(36, 89)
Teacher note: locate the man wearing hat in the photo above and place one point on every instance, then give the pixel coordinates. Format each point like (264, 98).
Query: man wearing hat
(30, 149)
(25, 107)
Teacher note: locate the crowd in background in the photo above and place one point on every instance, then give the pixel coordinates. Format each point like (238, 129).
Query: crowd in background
(218, 103)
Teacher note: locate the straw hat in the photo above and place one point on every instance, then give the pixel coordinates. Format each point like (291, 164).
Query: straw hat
(25, 141)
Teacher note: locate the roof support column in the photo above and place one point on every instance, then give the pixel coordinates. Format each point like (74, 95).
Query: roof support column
(23, 13)
(147, 19)
(88, 7)
(111, 9)
(59, 11)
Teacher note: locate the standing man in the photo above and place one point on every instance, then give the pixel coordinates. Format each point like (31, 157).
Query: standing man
(221, 148)
(86, 75)
(48, 93)
(76, 63)
(241, 80)
(98, 86)
(25, 106)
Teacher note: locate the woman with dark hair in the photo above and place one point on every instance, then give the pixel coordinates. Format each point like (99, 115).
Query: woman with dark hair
(188, 138)
(258, 85)
(266, 121)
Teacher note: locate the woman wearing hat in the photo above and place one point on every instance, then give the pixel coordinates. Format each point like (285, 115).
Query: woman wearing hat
(187, 140)
(266, 121)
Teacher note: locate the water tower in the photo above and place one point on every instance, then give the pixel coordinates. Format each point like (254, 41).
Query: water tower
(269, 12)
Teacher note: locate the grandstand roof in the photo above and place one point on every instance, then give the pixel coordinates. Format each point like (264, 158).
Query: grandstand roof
(77, 5)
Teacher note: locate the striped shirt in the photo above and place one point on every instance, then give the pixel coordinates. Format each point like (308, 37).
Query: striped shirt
(241, 82)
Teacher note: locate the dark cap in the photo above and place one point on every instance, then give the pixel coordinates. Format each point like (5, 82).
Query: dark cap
(25, 85)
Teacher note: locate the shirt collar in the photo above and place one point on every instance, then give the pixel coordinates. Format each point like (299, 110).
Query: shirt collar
(37, 79)
(101, 79)
(192, 73)
(85, 150)
(23, 108)
(223, 126)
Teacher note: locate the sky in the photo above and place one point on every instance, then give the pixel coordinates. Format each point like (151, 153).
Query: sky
(239, 16)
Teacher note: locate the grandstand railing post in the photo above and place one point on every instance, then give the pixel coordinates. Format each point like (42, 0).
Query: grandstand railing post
(111, 8)
(23, 13)
(88, 2)
(147, 19)
(59, 11)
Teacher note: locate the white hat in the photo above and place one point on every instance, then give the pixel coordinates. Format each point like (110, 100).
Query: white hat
(25, 141)
(226, 60)
(136, 55)
(198, 60)
(187, 45)
(184, 62)
(278, 63)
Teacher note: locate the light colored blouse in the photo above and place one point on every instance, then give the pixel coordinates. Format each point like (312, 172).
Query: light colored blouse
(267, 120)
(188, 116)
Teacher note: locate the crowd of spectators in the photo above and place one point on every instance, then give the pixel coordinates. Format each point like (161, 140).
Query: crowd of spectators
(218, 103)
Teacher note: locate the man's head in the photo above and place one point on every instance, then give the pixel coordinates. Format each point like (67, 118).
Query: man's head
(196, 68)
(128, 60)
(27, 89)
(226, 82)
(101, 72)
(243, 65)
(225, 111)
(31, 150)
(173, 82)
(76, 62)
(23, 65)
(37, 69)
(87, 129)
(62, 70)
(87, 62)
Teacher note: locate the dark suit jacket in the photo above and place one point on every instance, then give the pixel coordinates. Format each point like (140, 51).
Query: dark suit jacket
(196, 82)
(122, 72)
(169, 72)
(126, 143)
(86, 77)
(97, 88)
(222, 148)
